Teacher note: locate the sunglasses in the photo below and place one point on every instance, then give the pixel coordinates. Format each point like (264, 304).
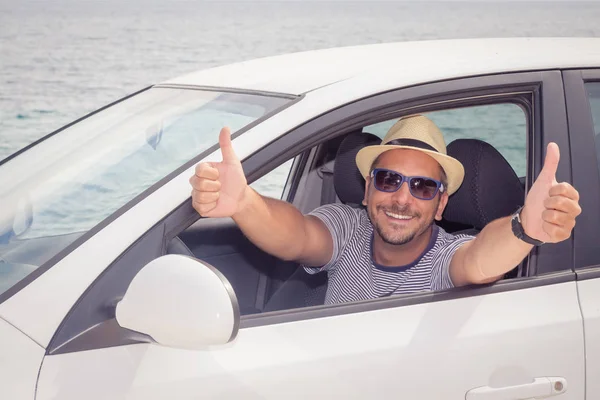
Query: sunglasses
(420, 187)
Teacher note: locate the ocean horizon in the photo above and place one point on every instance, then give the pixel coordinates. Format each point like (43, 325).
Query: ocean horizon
(62, 59)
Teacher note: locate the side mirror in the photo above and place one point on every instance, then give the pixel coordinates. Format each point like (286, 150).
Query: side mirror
(180, 302)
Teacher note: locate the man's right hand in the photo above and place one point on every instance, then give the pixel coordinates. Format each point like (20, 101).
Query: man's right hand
(276, 227)
(218, 189)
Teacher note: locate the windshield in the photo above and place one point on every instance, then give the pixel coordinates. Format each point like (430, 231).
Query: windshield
(59, 189)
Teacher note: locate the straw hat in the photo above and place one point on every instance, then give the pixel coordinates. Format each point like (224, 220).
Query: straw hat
(415, 132)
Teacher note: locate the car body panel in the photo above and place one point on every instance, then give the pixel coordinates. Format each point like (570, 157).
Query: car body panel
(20, 360)
(589, 298)
(427, 351)
(377, 67)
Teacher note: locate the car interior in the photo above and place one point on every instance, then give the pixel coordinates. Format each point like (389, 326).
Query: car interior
(263, 283)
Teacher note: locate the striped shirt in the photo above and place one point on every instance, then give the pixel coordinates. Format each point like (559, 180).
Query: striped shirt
(354, 275)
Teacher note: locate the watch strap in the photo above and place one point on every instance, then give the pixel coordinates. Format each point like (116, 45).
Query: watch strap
(519, 232)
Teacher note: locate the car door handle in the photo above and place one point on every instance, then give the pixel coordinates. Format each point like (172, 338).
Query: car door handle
(540, 388)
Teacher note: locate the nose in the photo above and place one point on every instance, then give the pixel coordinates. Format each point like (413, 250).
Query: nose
(402, 195)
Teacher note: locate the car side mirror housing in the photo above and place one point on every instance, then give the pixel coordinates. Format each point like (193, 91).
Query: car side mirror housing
(180, 302)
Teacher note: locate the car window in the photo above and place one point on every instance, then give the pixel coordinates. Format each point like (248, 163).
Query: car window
(273, 183)
(593, 90)
(61, 188)
(504, 126)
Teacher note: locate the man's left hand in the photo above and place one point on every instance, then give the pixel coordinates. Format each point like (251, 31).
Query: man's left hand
(550, 207)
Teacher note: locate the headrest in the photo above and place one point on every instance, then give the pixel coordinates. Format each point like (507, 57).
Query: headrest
(347, 180)
(491, 188)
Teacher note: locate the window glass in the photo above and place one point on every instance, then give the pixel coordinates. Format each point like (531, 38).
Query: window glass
(594, 96)
(273, 183)
(593, 90)
(61, 188)
(504, 126)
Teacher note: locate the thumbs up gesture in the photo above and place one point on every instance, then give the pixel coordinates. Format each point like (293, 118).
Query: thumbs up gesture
(218, 188)
(550, 207)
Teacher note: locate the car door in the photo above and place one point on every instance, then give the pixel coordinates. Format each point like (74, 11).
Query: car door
(518, 338)
(582, 89)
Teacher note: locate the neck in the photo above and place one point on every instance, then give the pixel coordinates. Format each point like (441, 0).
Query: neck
(393, 255)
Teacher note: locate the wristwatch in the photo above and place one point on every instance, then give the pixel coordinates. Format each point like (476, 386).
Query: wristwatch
(518, 230)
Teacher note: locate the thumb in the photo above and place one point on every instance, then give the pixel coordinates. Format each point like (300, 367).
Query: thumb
(551, 162)
(226, 147)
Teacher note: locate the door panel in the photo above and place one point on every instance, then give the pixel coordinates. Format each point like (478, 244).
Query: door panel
(437, 350)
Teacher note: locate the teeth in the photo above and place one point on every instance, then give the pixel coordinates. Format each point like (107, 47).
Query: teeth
(397, 216)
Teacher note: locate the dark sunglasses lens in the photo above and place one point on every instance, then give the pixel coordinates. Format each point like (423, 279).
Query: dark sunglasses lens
(423, 188)
(387, 181)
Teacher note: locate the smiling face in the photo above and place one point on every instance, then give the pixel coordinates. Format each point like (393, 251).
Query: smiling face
(398, 217)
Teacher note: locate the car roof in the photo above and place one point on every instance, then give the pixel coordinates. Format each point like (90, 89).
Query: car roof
(401, 64)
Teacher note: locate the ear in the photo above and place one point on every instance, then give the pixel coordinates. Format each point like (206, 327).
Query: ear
(367, 184)
(441, 206)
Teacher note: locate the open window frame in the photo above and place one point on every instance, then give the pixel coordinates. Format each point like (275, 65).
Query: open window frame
(542, 101)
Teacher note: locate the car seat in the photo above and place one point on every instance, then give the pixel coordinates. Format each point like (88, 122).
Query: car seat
(491, 189)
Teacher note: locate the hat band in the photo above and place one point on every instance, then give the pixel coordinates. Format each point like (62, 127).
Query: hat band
(412, 143)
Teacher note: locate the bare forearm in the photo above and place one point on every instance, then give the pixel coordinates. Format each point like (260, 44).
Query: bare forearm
(275, 226)
(495, 251)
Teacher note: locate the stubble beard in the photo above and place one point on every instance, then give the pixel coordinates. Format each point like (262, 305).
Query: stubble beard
(398, 237)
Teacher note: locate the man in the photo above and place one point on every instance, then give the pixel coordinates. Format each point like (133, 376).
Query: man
(393, 246)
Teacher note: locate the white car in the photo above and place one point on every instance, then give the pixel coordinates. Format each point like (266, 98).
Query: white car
(113, 287)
